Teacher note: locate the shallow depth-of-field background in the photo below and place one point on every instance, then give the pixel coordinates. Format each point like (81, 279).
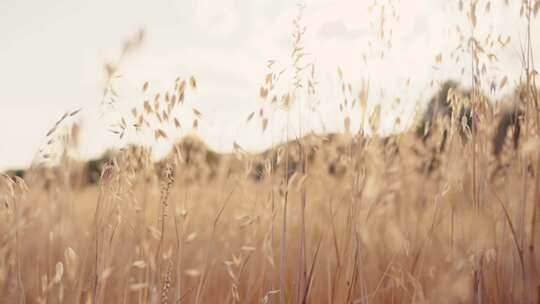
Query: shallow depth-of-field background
(445, 211)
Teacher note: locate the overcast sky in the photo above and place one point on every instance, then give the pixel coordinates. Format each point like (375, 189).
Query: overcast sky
(53, 52)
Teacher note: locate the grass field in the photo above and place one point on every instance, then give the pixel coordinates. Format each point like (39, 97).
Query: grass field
(426, 215)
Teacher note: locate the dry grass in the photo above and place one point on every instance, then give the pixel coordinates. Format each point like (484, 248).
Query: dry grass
(430, 216)
(383, 231)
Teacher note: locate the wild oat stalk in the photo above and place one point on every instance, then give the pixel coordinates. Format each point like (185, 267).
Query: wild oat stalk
(167, 180)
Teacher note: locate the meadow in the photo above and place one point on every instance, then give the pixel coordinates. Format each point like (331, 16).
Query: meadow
(444, 211)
